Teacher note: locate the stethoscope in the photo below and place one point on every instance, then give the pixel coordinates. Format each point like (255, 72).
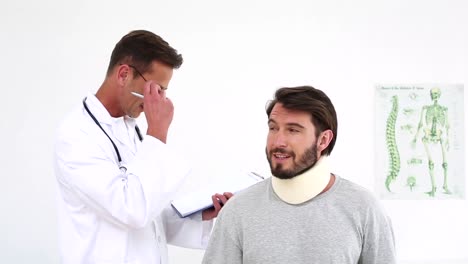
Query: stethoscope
(140, 137)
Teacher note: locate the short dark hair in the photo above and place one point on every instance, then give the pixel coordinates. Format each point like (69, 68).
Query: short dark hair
(140, 48)
(313, 101)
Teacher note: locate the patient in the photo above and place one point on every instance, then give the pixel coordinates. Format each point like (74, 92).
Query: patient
(304, 213)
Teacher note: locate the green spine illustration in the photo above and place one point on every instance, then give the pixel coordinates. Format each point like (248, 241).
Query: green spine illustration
(392, 145)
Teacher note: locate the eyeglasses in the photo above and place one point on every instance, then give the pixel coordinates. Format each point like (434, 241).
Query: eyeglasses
(139, 73)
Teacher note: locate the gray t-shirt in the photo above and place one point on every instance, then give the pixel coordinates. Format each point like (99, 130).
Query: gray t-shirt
(344, 225)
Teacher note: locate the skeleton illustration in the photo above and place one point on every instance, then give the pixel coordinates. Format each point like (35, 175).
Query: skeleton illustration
(408, 111)
(392, 146)
(434, 120)
(407, 128)
(411, 182)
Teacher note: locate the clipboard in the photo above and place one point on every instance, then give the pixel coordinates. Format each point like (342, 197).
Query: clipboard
(200, 200)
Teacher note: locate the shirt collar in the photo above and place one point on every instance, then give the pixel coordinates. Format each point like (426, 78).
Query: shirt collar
(99, 111)
(102, 115)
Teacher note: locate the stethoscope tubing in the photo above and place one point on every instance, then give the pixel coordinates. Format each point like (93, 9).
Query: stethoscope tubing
(140, 137)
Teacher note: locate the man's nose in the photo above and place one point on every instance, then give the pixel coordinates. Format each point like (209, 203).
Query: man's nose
(279, 140)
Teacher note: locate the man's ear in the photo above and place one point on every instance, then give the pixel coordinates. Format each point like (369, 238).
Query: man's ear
(324, 140)
(123, 74)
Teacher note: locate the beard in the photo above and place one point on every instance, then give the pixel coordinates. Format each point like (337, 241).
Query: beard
(305, 162)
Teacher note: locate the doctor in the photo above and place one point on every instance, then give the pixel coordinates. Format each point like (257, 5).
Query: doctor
(115, 184)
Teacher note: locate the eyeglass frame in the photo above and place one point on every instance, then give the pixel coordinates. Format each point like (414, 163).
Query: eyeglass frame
(141, 75)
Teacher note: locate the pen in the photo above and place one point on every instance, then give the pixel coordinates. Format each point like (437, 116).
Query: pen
(256, 174)
(138, 95)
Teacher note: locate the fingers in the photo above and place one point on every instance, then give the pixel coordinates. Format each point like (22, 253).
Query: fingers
(220, 199)
(216, 203)
(156, 89)
(153, 89)
(223, 199)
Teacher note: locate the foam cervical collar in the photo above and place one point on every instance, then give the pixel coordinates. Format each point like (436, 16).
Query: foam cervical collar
(305, 186)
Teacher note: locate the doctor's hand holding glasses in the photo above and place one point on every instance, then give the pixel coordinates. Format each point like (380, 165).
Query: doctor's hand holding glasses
(159, 112)
(158, 109)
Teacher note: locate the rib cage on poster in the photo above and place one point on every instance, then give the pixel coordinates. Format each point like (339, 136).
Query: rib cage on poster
(419, 133)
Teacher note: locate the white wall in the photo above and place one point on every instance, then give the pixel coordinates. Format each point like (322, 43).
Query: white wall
(236, 54)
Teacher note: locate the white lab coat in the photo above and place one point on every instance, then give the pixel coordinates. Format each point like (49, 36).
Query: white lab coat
(107, 215)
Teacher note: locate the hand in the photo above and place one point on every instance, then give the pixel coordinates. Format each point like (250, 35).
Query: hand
(159, 111)
(218, 201)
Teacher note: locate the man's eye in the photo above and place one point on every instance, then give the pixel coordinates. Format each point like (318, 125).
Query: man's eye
(292, 130)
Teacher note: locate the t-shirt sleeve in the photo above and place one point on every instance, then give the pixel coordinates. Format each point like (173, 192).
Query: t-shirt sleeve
(224, 245)
(378, 241)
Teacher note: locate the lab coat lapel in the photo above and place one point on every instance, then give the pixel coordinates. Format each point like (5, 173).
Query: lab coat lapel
(124, 132)
(115, 127)
(120, 131)
(98, 110)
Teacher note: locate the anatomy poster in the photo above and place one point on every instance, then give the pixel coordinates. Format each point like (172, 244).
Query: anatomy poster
(420, 141)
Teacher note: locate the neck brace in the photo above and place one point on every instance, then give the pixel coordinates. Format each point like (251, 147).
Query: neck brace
(305, 186)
